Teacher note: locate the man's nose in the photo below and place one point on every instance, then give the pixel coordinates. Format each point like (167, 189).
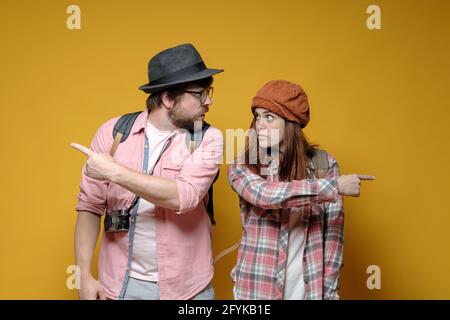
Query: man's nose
(208, 101)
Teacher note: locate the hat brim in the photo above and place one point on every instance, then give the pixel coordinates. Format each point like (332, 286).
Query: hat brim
(148, 88)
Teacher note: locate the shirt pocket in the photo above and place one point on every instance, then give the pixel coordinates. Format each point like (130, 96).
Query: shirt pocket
(170, 169)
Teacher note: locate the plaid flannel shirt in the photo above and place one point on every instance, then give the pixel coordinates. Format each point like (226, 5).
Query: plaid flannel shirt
(265, 204)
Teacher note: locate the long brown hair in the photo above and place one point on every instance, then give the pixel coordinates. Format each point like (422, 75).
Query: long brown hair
(293, 158)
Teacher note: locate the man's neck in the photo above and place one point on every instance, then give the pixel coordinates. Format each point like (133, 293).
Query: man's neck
(160, 120)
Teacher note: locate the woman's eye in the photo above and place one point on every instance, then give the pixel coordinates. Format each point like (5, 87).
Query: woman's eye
(257, 116)
(269, 117)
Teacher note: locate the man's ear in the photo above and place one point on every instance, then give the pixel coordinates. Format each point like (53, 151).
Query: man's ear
(166, 101)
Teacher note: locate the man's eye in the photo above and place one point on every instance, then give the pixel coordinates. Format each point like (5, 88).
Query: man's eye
(257, 116)
(269, 117)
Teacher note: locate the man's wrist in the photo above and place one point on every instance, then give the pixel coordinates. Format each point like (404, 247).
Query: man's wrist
(85, 274)
(117, 174)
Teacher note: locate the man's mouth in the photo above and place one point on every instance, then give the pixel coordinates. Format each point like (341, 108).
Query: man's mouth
(204, 112)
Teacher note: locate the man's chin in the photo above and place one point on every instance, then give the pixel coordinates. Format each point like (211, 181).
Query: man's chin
(191, 125)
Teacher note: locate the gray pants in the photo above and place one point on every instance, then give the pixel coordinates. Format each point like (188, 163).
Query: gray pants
(146, 290)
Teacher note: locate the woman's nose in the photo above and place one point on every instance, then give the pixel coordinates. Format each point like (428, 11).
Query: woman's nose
(260, 125)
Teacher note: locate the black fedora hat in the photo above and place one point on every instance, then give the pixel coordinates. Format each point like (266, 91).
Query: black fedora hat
(174, 66)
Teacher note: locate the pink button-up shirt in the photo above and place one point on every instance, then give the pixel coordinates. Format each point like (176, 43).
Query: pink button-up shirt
(183, 238)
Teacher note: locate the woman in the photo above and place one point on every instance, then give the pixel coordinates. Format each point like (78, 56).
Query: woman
(292, 242)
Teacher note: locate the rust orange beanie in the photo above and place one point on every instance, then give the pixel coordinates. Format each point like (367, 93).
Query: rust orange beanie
(286, 99)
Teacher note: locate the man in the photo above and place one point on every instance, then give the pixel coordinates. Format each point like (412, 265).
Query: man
(165, 251)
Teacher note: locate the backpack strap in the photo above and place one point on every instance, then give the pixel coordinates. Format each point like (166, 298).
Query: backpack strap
(122, 129)
(210, 204)
(320, 162)
(228, 250)
(196, 137)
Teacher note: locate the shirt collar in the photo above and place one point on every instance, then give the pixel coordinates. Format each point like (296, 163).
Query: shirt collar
(141, 122)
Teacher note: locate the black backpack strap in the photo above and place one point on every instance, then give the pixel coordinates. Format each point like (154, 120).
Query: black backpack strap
(196, 137)
(122, 129)
(210, 205)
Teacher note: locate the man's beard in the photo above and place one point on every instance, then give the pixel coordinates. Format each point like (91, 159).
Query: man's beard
(181, 120)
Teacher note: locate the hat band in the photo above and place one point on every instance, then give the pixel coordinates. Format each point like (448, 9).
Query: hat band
(180, 74)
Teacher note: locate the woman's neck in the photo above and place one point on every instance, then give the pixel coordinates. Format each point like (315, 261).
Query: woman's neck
(272, 154)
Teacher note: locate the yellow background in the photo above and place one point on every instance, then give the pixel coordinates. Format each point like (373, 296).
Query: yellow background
(379, 102)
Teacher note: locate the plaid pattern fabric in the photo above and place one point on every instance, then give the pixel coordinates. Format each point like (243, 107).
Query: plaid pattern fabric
(265, 205)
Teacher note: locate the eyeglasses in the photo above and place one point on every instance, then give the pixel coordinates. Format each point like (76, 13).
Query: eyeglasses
(204, 94)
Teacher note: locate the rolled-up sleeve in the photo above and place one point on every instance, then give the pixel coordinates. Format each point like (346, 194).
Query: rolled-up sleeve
(199, 171)
(92, 195)
(333, 239)
(280, 195)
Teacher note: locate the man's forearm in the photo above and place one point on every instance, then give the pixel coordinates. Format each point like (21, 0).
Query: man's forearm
(86, 234)
(157, 190)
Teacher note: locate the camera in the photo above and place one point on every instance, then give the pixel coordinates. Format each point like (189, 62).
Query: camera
(117, 221)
